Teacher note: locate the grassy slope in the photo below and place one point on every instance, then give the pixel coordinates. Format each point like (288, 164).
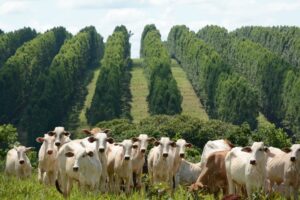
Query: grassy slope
(88, 99)
(139, 91)
(190, 104)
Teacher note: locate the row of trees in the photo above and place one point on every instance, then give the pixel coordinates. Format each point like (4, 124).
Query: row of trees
(9, 42)
(274, 78)
(164, 96)
(283, 40)
(224, 94)
(111, 92)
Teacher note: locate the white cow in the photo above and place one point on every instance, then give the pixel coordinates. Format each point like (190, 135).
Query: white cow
(80, 163)
(61, 135)
(247, 167)
(47, 167)
(101, 141)
(284, 168)
(17, 162)
(138, 156)
(179, 154)
(188, 172)
(120, 165)
(161, 161)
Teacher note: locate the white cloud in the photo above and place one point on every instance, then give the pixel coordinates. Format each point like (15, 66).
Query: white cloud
(12, 7)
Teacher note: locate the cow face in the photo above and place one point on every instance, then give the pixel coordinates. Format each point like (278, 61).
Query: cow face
(127, 146)
(181, 144)
(81, 156)
(164, 145)
(258, 153)
(21, 153)
(142, 141)
(50, 148)
(61, 136)
(294, 152)
(100, 137)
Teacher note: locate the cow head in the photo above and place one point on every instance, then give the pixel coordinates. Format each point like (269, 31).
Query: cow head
(61, 136)
(48, 141)
(21, 152)
(164, 145)
(127, 146)
(258, 153)
(142, 141)
(181, 144)
(101, 138)
(294, 152)
(81, 156)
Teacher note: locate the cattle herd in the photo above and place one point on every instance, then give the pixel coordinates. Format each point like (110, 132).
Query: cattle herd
(97, 162)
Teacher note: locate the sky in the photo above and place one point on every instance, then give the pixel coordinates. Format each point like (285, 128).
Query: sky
(105, 15)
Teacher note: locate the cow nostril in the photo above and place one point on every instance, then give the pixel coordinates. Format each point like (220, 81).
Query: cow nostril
(181, 155)
(143, 150)
(252, 162)
(50, 152)
(75, 169)
(101, 150)
(127, 158)
(293, 159)
(57, 144)
(165, 155)
(21, 162)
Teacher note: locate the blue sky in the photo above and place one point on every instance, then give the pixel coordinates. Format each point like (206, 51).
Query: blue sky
(135, 14)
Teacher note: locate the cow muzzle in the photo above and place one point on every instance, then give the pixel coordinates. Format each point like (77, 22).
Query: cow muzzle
(127, 157)
(101, 150)
(293, 159)
(21, 162)
(253, 162)
(165, 155)
(75, 169)
(50, 152)
(57, 144)
(143, 150)
(181, 155)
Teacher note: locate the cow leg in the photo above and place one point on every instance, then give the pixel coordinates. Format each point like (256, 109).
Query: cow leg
(230, 185)
(40, 175)
(139, 179)
(249, 190)
(118, 183)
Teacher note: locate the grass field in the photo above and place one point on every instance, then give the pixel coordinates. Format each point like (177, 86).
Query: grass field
(190, 104)
(139, 91)
(88, 99)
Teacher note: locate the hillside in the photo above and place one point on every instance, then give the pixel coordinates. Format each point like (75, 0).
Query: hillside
(139, 92)
(190, 103)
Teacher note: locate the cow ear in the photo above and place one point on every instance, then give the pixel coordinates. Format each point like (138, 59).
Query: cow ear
(90, 154)
(40, 139)
(110, 140)
(247, 149)
(67, 133)
(156, 143)
(189, 145)
(135, 139)
(51, 133)
(106, 131)
(151, 139)
(28, 149)
(87, 131)
(69, 154)
(92, 139)
(286, 150)
(173, 144)
(229, 143)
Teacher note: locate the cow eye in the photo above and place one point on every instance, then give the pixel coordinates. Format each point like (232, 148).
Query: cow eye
(83, 156)
(134, 146)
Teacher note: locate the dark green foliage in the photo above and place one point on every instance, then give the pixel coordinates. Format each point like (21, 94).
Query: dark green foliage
(236, 101)
(9, 42)
(1, 32)
(21, 74)
(8, 137)
(147, 28)
(262, 68)
(164, 96)
(204, 67)
(283, 40)
(111, 92)
(58, 91)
